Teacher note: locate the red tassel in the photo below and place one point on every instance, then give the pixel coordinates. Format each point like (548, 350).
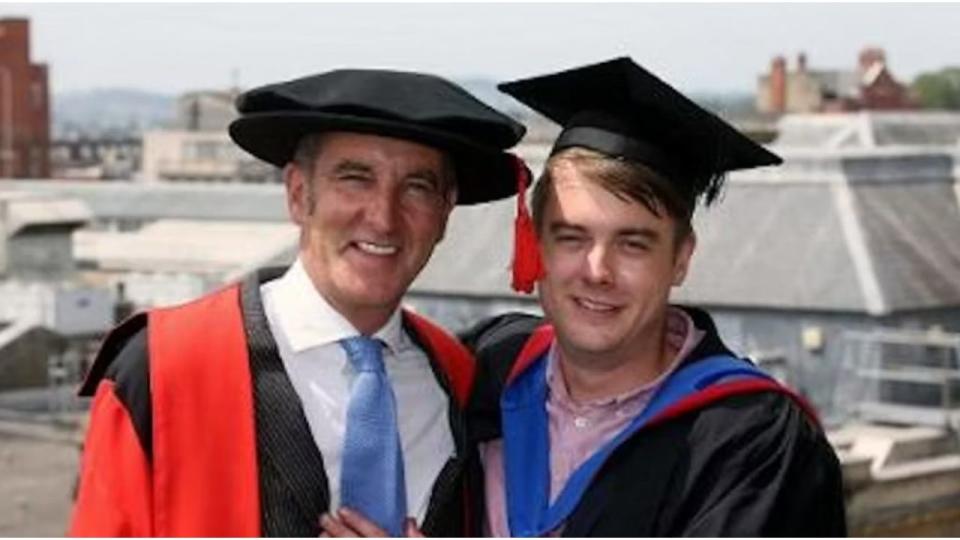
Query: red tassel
(527, 263)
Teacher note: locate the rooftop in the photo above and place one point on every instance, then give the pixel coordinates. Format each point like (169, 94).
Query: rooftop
(851, 227)
(175, 245)
(19, 211)
(151, 201)
(869, 130)
(838, 241)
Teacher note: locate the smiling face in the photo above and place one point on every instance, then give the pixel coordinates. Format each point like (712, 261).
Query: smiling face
(370, 211)
(610, 264)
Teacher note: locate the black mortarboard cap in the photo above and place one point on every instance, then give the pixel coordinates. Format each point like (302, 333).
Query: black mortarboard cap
(620, 109)
(412, 106)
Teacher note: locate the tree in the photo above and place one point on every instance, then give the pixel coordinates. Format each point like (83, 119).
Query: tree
(938, 90)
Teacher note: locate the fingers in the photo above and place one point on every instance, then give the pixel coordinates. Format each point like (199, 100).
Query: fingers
(347, 523)
(363, 526)
(411, 530)
(334, 528)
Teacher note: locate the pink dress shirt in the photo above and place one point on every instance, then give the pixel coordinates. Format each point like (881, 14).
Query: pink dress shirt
(578, 429)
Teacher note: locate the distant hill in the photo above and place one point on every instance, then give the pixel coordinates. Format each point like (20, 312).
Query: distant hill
(129, 111)
(486, 91)
(727, 105)
(110, 110)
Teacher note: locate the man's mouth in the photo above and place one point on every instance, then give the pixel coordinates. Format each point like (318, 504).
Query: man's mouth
(373, 248)
(595, 306)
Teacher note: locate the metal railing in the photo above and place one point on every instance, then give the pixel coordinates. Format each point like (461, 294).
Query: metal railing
(905, 376)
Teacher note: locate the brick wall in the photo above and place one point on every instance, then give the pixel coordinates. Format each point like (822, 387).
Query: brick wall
(24, 105)
(885, 92)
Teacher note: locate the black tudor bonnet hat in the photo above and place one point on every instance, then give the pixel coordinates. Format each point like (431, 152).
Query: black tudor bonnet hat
(406, 105)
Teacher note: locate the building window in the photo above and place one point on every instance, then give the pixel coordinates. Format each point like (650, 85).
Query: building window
(36, 162)
(37, 91)
(208, 150)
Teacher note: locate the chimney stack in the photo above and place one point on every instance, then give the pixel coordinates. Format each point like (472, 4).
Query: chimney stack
(870, 56)
(778, 85)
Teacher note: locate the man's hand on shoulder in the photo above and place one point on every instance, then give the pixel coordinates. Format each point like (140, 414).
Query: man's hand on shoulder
(492, 331)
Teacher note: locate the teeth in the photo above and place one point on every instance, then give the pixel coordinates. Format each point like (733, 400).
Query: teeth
(376, 249)
(594, 306)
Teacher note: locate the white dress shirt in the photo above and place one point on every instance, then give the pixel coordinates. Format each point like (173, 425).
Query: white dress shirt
(306, 329)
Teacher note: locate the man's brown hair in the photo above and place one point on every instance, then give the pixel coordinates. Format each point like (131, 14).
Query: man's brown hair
(628, 180)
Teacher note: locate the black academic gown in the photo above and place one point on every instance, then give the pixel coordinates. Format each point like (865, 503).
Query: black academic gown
(749, 465)
(293, 488)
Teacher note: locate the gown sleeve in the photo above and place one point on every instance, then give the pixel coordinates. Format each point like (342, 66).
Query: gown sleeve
(760, 467)
(114, 492)
(495, 342)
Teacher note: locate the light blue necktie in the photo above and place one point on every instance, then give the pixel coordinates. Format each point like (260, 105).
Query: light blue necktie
(371, 478)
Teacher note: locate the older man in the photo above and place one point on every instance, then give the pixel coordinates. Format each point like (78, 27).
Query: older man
(256, 409)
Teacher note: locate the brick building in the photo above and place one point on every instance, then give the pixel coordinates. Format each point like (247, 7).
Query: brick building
(24, 105)
(869, 86)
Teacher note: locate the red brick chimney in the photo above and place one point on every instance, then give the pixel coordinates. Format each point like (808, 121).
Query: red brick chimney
(15, 37)
(778, 85)
(870, 56)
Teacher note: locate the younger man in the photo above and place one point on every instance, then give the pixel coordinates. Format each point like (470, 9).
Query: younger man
(626, 415)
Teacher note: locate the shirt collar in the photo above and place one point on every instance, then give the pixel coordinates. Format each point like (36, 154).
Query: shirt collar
(681, 337)
(308, 320)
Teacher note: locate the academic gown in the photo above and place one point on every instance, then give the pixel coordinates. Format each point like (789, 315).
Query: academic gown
(748, 465)
(290, 477)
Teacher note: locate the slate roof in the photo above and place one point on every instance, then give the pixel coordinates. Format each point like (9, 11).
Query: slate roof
(861, 233)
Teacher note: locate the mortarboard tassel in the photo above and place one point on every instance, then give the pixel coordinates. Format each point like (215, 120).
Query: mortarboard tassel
(527, 264)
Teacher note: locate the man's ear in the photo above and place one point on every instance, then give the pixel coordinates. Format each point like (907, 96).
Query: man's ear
(681, 263)
(450, 202)
(298, 200)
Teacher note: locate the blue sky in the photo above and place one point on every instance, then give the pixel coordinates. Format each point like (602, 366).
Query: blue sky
(699, 47)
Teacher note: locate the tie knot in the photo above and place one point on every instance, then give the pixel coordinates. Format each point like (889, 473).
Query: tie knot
(365, 353)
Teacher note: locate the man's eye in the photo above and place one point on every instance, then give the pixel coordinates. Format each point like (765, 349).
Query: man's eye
(635, 245)
(421, 185)
(568, 239)
(355, 178)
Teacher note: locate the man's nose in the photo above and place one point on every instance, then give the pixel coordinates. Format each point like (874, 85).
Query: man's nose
(598, 268)
(382, 211)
